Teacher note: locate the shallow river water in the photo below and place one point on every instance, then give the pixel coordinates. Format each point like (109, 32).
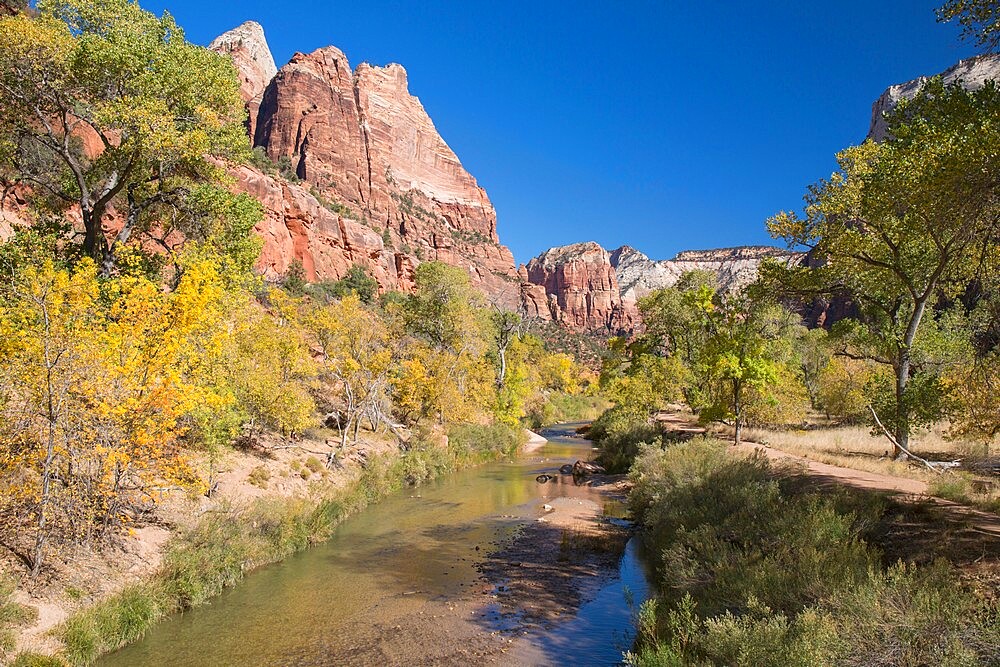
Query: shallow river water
(398, 584)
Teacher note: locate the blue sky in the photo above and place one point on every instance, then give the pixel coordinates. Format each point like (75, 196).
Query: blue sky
(662, 125)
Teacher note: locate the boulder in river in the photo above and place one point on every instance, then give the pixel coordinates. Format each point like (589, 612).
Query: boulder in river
(584, 468)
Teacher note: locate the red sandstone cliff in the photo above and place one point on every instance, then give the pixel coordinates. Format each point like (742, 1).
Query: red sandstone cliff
(380, 187)
(580, 287)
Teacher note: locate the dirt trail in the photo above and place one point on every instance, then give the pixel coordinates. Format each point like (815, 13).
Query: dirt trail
(984, 523)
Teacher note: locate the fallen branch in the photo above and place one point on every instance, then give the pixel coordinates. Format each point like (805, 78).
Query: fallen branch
(276, 448)
(899, 446)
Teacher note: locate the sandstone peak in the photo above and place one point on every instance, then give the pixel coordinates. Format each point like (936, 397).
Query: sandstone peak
(626, 254)
(367, 150)
(971, 72)
(586, 251)
(416, 156)
(248, 48)
(581, 289)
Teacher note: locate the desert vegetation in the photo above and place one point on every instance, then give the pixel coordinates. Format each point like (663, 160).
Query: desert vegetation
(755, 568)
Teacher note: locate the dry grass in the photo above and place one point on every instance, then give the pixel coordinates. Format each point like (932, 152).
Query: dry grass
(855, 447)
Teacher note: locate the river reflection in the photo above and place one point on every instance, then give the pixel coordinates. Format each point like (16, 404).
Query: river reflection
(397, 584)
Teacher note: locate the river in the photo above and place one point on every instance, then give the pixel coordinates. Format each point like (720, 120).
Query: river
(400, 583)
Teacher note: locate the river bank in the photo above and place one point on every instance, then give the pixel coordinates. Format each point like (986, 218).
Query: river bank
(428, 576)
(267, 502)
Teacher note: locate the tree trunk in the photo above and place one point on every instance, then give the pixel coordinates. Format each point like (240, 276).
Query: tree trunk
(94, 243)
(41, 525)
(903, 365)
(902, 425)
(502, 372)
(738, 412)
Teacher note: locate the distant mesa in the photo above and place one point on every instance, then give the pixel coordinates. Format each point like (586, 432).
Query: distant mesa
(734, 268)
(972, 73)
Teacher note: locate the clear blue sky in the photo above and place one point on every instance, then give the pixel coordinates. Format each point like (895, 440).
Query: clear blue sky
(663, 125)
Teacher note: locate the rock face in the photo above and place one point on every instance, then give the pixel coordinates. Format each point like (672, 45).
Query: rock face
(368, 157)
(297, 226)
(972, 72)
(248, 48)
(584, 287)
(580, 288)
(734, 268)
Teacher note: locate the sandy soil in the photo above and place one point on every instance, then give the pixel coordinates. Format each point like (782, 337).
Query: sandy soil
(82, 577)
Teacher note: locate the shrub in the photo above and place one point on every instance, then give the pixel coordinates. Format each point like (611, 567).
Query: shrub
(559, 407)
(619, 432)
(471, 444)
(425, 460)
(755, 571)
(114, 622)
(259, 476)
(953, 487)
(918, 616)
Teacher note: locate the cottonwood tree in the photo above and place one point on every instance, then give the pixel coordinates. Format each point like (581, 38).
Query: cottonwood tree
(357, 357)
(747, 362)
(105, 107)
(445, 372)
(96, 377)
(904, 223)
(979, 19)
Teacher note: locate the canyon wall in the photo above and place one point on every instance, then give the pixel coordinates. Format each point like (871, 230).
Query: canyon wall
(734, 268)
(576, 286)
(361, 174)
(971, 72)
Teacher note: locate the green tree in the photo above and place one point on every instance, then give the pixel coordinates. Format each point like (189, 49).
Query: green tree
(358, 282)
(747, 361)
(979, 19)
(106, 107)
(445, 372)
(905, 223)
(445, 310)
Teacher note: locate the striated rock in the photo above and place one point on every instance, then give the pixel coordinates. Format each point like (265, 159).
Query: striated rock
(581, 288)
(734, 268)
(297, 227)
(535, 302)
(972, 72)
(309, 116)
(366, 149)
(586, 288)
(415, 157)
(248, 48)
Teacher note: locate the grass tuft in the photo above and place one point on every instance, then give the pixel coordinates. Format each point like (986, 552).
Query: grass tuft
(757, 570)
